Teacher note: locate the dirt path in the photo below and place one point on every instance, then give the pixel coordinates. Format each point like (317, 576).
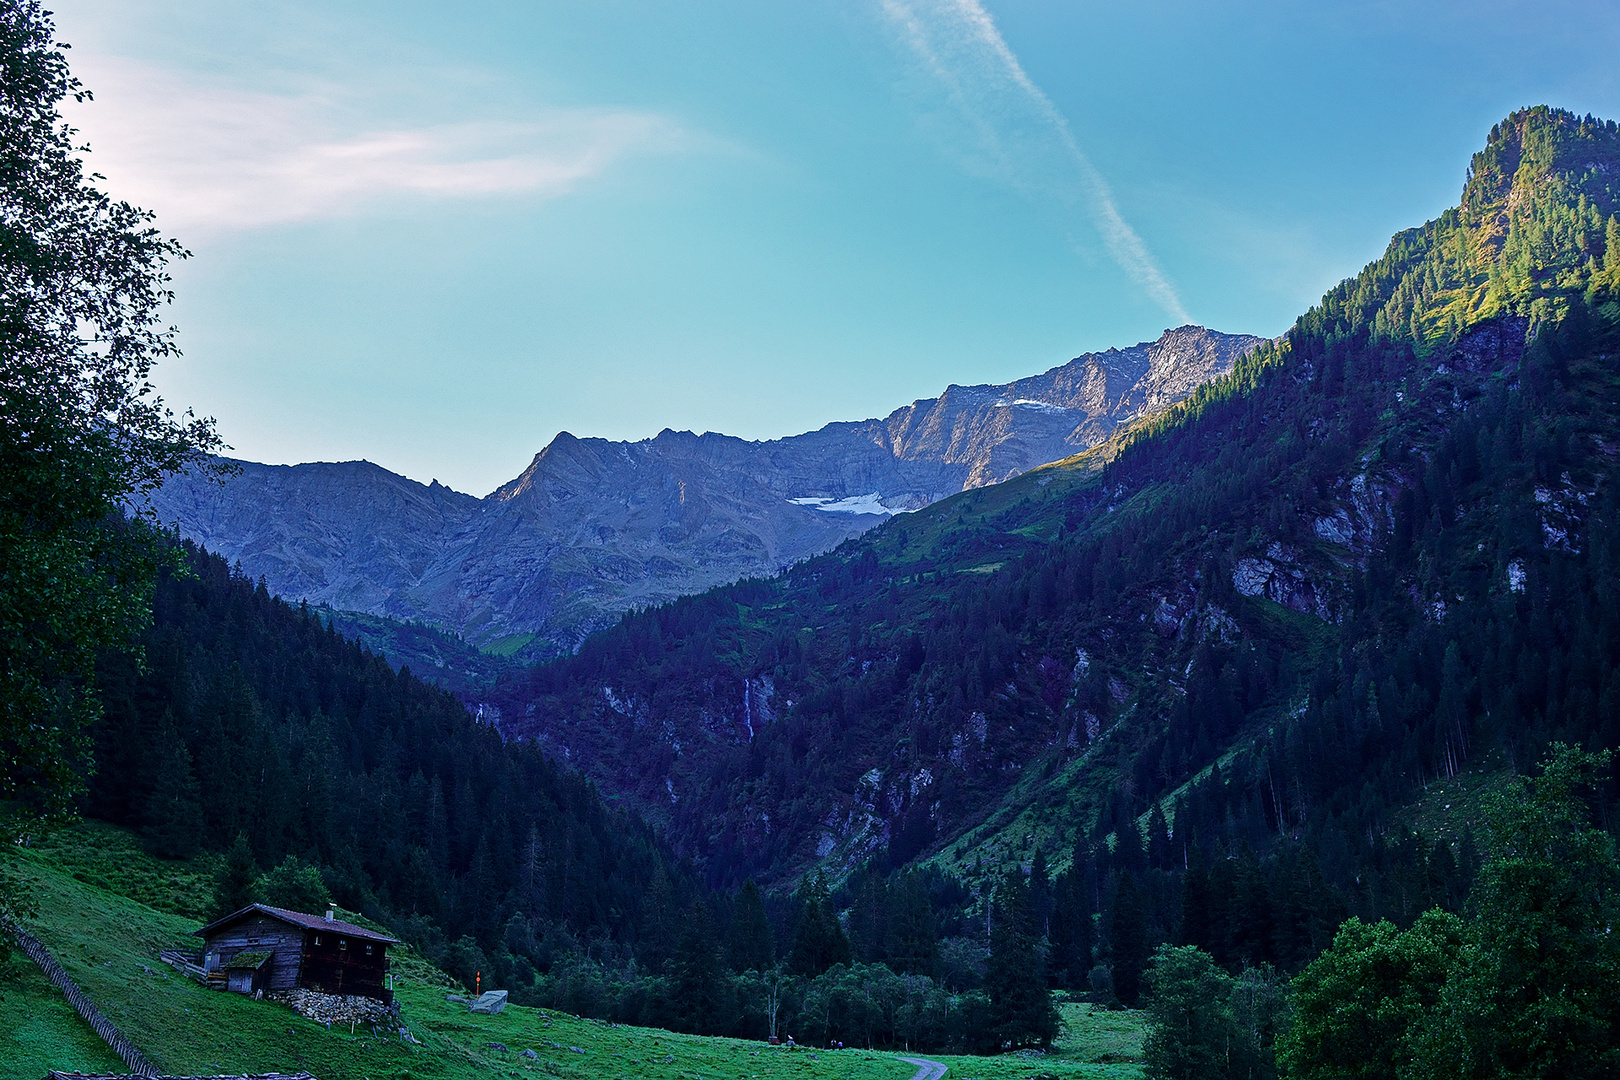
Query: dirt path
(926, 1070)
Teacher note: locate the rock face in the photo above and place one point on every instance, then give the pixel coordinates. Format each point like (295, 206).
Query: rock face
(593, 528)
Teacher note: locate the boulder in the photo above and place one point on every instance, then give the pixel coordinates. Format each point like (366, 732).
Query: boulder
(490, 1002)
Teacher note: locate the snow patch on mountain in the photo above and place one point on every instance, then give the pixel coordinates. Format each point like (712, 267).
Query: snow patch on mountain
(1031, 403)
(855, 504)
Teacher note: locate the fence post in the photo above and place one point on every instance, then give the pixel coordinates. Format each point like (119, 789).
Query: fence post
(86, 1008)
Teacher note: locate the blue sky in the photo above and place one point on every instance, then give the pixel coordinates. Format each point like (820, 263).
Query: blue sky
(433, 235)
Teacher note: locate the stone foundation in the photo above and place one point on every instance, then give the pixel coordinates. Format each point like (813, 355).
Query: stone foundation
(334, 1008)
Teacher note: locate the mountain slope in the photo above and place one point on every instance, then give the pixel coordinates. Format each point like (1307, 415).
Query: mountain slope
(1380, 552)
(108, 941)
(252, 728)
(594, 528)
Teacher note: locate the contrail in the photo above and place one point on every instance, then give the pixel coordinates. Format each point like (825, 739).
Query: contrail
(959, 43)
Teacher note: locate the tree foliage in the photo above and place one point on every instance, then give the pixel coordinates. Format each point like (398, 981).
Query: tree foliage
(1533, 992)
(1021, 1011)
(1203, 1022)
(292, 884)
(819, 941)
(1191, 1026)
(82, 433)
(752, 947)
(1524, 987)
(1358, 1006)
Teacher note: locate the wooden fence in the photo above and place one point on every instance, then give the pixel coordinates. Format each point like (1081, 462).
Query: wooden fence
(39, 954)
(189, 964)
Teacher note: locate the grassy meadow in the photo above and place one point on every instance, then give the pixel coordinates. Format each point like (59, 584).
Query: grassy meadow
(87, 880)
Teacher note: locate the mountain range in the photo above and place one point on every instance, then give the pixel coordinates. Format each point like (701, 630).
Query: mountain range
(593, 528)
(1265, 658)
(1378, 555)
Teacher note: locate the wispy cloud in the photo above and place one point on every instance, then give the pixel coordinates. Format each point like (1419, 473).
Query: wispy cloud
(1018, 132)
(211, 159)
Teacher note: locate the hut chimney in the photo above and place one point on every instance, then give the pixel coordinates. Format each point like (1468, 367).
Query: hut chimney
(331, 913)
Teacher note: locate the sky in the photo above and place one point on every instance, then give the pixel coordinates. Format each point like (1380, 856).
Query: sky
(434, 235)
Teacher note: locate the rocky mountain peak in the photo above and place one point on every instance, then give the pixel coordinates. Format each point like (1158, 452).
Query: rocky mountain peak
(593, 527)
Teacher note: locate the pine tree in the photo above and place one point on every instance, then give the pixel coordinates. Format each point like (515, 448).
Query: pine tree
(1069, 930)
(818, 941)
(751, 948)
(658, 923)
(1021, 1009)
(1159, 856)
(696, 989)
(233, 881)
(869, 916)
(1197, 918)
(913, 946)
(173, 813)
(1605, 283)
(1040, 894)
(1127, 938)
(1128, 853)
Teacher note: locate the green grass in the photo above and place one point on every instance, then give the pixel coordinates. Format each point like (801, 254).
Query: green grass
(1094, 1044)
(85, 880)
(1101, 1036)
(42, 1032)
(1448, 809)
(113, 859)
(570, 1047)
(508, 646)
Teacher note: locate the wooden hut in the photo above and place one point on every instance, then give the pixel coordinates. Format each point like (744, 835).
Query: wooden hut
(270, 948)
(247, 971)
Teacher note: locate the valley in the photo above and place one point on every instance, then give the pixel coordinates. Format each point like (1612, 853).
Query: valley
(108, 941)
(1220, 706)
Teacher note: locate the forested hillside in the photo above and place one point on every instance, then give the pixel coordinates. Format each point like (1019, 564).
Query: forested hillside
(1209, 670)
(255, 731)
(299, 766)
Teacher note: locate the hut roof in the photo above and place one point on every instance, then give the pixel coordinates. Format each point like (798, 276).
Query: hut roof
(251, 960)
(298, 918)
